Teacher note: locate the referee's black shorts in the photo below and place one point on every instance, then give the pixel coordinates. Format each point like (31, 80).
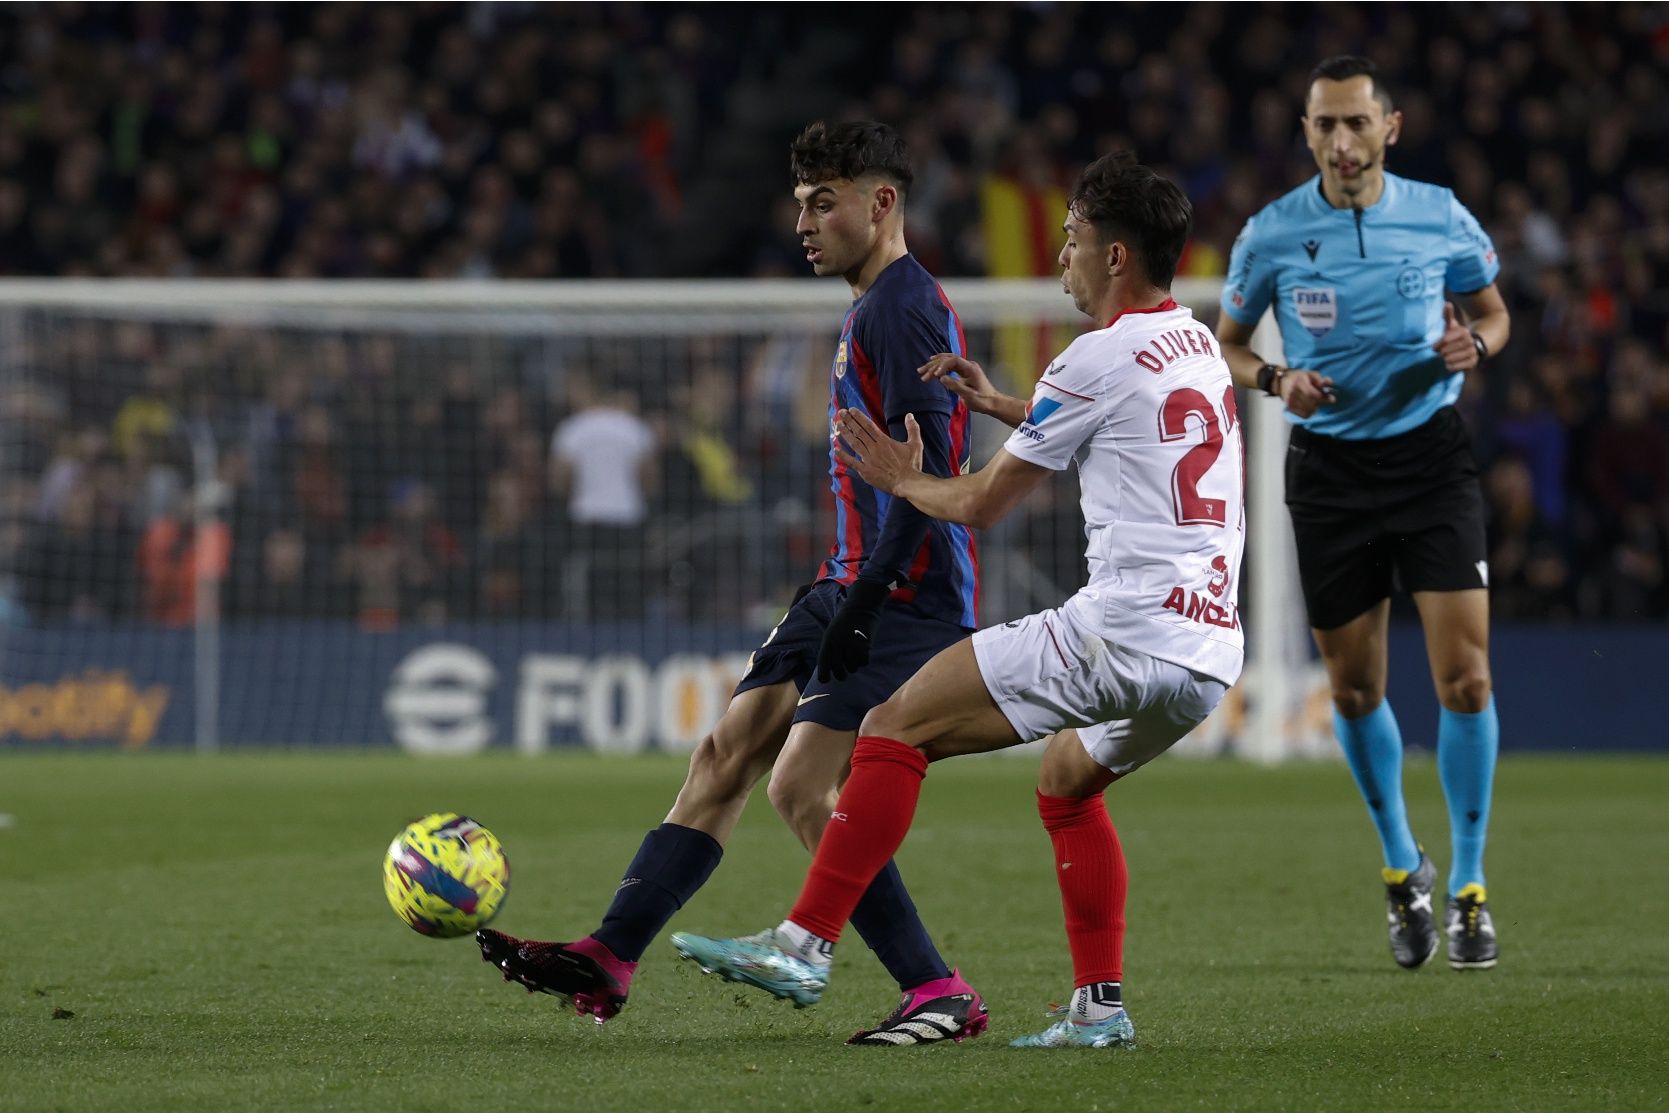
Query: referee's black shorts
(1369, 515)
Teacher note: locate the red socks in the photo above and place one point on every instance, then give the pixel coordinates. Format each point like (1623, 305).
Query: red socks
(869, 823)
(1089, 865)
(873, 815)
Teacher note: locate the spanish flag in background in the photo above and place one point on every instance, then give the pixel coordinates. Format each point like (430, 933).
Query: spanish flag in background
(1022, 230)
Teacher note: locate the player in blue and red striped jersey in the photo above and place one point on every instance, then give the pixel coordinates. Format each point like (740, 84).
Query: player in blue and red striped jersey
(896, 588)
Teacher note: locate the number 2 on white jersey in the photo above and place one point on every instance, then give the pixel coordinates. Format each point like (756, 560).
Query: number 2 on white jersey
(1192, 508)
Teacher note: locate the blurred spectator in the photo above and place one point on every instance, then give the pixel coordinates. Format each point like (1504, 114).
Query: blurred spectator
(174, 554)
(511, 556)
(1532, 431)
(76, 568)
(281, 581)
(409, 568)
(1627, 470)
(603, 464)
(318, 485)
(147, 417)
(702, 470)
(70, 470)
(1630, 585)
(1529, 558)
(1628, 460)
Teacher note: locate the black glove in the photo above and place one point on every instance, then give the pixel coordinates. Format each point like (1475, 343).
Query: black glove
(845, 647)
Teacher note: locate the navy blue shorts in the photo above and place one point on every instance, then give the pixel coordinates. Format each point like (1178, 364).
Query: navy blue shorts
(905, 640)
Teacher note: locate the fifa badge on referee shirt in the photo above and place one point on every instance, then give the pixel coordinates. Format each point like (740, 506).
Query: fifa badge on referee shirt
(1318, 308)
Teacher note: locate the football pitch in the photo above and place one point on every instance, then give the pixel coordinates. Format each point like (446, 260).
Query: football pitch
(211, 934)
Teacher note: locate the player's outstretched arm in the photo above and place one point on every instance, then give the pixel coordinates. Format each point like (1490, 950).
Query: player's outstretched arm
(981, 499)
(969, 382)
(1302, 391)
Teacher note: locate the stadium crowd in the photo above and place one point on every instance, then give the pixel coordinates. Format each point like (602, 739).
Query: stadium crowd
(572, 141)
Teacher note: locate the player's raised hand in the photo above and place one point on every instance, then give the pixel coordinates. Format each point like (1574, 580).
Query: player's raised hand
(1455, 345)
(1304, 392)
(963, 378)
(866, 448)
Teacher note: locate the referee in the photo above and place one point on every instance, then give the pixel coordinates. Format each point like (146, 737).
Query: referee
(1358, 265)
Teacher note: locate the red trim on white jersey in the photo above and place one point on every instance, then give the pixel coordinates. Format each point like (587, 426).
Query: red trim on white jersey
(1063, 390)
(1163, 307)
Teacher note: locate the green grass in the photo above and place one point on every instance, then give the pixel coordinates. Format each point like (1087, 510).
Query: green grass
(217, 928)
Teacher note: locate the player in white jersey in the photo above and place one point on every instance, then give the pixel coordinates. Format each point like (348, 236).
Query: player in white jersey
(1122, 670)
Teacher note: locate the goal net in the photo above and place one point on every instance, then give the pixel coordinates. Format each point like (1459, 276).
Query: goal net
(451, 516)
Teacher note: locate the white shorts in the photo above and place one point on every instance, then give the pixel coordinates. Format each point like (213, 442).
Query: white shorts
(1050, 671)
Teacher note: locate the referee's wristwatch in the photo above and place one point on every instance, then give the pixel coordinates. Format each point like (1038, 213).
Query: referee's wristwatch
(1269, 379)
(1480, 346)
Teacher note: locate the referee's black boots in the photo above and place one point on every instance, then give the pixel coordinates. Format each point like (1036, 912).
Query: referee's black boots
(1408, 908)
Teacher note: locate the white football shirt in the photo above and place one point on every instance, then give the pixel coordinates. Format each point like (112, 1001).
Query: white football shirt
(605, 447)
(1146, 408)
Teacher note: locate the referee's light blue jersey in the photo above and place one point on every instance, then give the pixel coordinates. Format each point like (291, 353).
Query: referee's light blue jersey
(1358, 295)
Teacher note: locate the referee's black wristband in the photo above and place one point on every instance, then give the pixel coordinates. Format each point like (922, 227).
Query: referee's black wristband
(1269, 379)
(1483, 349)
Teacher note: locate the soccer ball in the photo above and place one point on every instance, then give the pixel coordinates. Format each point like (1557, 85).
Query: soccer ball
(445, 875)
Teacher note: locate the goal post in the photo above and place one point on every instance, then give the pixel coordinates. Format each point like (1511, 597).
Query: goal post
(452, 515)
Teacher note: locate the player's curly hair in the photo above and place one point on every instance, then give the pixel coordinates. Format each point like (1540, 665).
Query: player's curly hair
(851, 150)
(1126, 201)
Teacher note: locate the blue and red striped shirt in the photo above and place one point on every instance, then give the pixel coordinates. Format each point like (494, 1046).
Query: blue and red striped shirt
(901, 321)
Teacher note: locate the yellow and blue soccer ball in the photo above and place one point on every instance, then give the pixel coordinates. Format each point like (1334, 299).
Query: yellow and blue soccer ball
(445, 875)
